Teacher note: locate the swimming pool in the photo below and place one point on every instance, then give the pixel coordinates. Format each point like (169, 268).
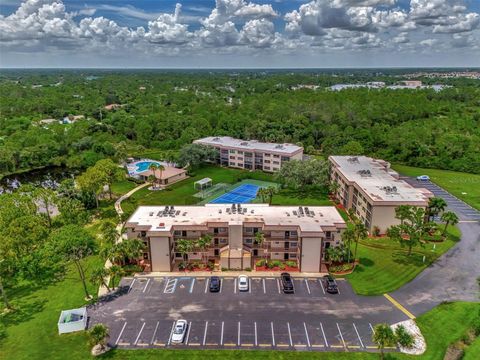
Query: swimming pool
(240, 195)
(140, 166)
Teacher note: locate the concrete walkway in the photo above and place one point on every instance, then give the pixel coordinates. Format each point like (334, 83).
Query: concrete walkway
(203, 274)
(102, 290)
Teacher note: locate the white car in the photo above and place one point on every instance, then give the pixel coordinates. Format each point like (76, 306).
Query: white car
(179, 331)
(423, 178)
(243, 283)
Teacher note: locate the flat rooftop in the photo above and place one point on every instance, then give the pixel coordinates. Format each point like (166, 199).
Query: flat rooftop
(379, 181)
(251, 145)
(309, 219)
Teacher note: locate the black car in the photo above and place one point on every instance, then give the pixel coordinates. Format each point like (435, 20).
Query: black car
(330, 284)
(287, 283)
(215, 284)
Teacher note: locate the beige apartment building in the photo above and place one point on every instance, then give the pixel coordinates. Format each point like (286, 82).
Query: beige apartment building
(373, 190)
(252, 154)
(293, 233)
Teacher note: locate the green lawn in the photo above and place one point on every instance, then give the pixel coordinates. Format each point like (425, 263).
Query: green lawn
(384, 265)
(473, 351)
(123, 186)
(463, 185)
(182, 192)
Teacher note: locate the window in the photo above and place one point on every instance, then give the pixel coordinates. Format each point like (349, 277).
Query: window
(276, 156)
(267, 155)
(145, 256)
(177, 233)
(222, 230)
(239, 152)
(231, 151)
(266, 167)
(223, 241)
(249, 230)
(276, 163)
(143, 233)
(328, 234)
(233, 164)
(267, 161)
(285, 158)
(232, 157)
(178, 255)
(248, 241)
(293, 244)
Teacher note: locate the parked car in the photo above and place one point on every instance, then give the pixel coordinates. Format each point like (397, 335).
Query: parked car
(179, 331)
(423, 178)
(330, 284)
(287, 283)
(243, 283)
(215, 284)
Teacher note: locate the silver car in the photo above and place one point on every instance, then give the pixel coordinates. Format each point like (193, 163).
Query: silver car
(243, 283)
(179, 331)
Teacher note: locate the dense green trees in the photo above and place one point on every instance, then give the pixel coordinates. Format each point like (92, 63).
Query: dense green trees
(298, 174)
(420, 128)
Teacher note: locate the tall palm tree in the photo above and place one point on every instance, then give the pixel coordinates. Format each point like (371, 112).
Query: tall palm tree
(333, 188)
(347, 237)
(203, 243)
(436, 205)
(403, 212)
(153, 168)
(115, 272)
(160, 169)
(270, 191)
(449, 218)
(184, 246)
(260, 240)
(360, 233)
(383, 336)
(262, 193)
(98, 277)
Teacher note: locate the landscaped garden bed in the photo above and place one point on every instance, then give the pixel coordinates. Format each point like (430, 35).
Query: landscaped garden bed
(276, 265)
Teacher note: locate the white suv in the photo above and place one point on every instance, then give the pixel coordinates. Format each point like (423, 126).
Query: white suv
(179, 331)
(243, 283)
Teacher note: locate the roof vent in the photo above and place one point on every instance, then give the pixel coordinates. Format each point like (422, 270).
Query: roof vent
(150, 214)
(364, 173)
(279, 146)
(244, 143)
(217, 139)
(353, 159)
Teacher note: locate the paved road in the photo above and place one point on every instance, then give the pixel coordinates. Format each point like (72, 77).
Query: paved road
(453, 275)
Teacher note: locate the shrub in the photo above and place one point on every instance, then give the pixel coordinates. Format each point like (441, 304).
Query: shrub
(98, 335)
(261, 262)
(182, 266)
(291, 263)
(248, 269)
(376, 231)
(276, 263)
(403, 337)
(224, 269)
(132, 269)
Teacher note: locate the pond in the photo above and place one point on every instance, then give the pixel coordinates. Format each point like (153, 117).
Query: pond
(49, 177)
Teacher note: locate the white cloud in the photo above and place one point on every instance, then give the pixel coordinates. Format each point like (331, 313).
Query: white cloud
(167, 29)
(258, 33)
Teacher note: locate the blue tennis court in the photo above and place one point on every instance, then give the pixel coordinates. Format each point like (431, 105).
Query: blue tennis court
(240, 195)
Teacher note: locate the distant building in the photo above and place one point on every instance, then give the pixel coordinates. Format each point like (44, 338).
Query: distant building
(112, 106)
(300, 234)
(412, 83)
(70, 119)
(252, 154)
(48, 121)
(167, 176)
(373, 190)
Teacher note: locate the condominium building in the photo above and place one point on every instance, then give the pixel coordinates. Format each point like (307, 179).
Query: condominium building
(373, 190)
(294, 233)
(252, 154)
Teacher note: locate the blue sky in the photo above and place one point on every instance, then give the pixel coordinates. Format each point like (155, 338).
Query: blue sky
(239, 33)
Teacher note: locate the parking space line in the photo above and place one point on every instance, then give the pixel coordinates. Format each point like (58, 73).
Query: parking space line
(264, 289)
(321, 284)
(205, 333)
(146, 285)
(306, 334)
(256, 340)
(167, 280)
(121, 332)
(238, 339)
(221, 285)
(289, 334)
(140, 333)
(324, 337)
(308, 287)
(154, 332)
(341, 336)
(278, 286)
(206, 285)
(188, 332)
(249, 285)
(359, 338)
(221, 336)
(131, 284)
(171, 334)
(338, 289)
(273, 334)
(192, 285)
(235, 286)
(293, 286)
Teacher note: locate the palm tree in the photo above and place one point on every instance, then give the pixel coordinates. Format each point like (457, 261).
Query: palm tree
(153, 168)
(449, 218)
(333, 188)
(132, 249)
(360, 232)
(262, 192)
(160, 169)
(347, 237)
(98, 335)
(403, 212)
(184, 246)
(151, 179)
(98, 277)
(115, 272)
(436, 205)
(260, 241)
(202, 244)
(270, 191)
(384, 337)
(335, 254)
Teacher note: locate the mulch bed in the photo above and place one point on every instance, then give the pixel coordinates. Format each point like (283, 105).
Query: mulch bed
(287, 269)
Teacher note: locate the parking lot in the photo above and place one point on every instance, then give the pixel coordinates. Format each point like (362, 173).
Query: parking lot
(261, 318)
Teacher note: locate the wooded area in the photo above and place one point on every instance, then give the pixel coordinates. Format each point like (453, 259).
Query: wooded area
(166, 110)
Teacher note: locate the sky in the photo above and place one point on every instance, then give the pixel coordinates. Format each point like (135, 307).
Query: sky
(239, 33)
